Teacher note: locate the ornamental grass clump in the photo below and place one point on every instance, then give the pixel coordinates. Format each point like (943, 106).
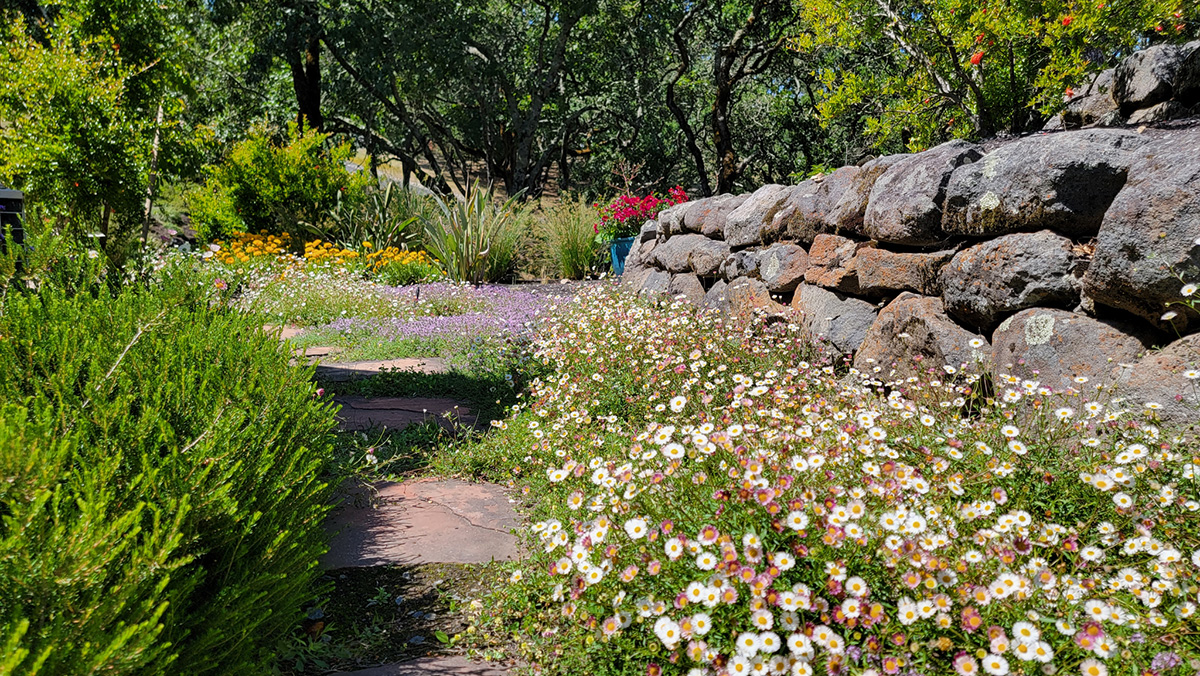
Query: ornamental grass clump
(715, 499)
(163, 487)
(568, 232)
(475, 238)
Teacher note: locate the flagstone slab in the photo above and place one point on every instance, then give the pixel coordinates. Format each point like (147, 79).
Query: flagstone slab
(320, 351)
(423, 521)
(359, 414)
(434, 666)
(335, 371)
(285, 332)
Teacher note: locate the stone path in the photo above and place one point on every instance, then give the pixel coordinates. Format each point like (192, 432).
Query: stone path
(340, 372)
(413, 522)
(434, 666)
(359, 414)
(423, 521)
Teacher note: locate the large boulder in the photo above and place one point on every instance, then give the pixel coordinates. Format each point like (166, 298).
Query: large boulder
(1091, 102)
(847, 214)
(1151, 234)
(742, 263)
(1160, 112)
(840, 320)
(653, 283)
(913, 336)
(638, 259)
(1146, 77)
(714, 299)
(634, 278)
(708, 216)
(1064, 182)
(742, 297)
(1167, 378)
(808, 209)
(984, 283)
(688, 287)
(782, 266)
(831, 263)
(690, 253)
(751, 222)
(1187, 80)
(670, 220)
(884, 273)
(905, 206)
(1054, 347)
(648, 231)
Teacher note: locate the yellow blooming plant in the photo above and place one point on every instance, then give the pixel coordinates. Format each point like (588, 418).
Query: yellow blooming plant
(716, 498)
(266, 250)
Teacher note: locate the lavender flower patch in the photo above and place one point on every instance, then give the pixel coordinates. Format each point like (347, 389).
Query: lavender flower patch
(453, 312)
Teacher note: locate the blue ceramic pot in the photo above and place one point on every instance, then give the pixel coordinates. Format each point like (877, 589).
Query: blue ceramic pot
(620, 249)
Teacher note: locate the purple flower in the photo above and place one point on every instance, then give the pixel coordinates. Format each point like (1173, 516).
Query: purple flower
(1165, 660)
(450, 311)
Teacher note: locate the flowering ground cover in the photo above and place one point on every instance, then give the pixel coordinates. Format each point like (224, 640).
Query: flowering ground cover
(346, 305)
(720, 498)
(440, 319)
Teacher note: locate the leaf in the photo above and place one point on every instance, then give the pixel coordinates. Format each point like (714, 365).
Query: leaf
(441, 636)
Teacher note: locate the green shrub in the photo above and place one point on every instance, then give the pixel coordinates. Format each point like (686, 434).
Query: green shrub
(568, 234)
(402, 273)
(266, 185)
(475, 238)
(213, 211)
(386, 216)
(161, 483)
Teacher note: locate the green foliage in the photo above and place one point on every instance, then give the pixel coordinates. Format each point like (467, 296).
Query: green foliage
(567, 232)
(475, 238)
(162, 486)
(266, 184)
(387, 216)
(952, 68)
(78, 99)
(405, 272)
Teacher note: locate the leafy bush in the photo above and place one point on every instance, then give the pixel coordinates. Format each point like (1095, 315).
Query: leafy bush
(954, 69)
(714, 499)
(162, 488)
(78, 91)
(384, 217)
(266, 185)
(407, 268)
(568, 234)
(475, 238)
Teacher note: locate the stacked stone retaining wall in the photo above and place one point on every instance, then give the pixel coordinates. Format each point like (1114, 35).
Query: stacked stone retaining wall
(1055, 258)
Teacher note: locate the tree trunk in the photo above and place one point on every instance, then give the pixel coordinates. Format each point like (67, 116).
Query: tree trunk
(727, 162)
(152, 179)
(306, 82)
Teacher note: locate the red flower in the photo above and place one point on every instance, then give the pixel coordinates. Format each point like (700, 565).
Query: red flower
(976, 58)
(1066, 20)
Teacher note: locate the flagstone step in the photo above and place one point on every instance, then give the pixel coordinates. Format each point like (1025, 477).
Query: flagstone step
(359, 414)
(335, 371)
(433, 666)
(423, 521)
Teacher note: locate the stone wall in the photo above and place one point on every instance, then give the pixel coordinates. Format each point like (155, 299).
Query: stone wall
(1053, 258)
(1156, 84)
